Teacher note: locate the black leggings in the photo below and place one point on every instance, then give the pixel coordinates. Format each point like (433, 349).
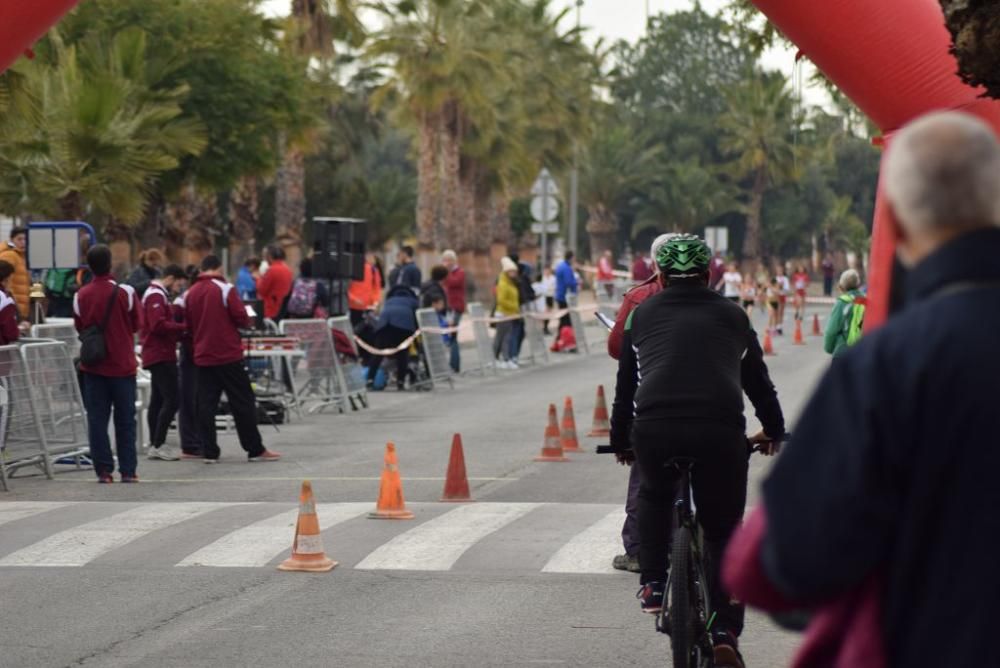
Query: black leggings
(719, 482)
(390, 337)
(162, 401)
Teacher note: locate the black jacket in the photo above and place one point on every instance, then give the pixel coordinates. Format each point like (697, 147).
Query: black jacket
(689, 354)
(430, 291)
(894, 466)
(405, 274)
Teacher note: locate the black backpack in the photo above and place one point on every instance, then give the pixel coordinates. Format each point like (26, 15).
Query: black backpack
(93, 349)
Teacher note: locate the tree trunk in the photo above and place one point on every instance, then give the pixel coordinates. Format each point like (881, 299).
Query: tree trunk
(152, 229)
(450, 227)
(751, 238)
(244, 217)
(119, 239)
(602, 227)
(71, 206)
(192, 223)
(428, 184)
(290, 201)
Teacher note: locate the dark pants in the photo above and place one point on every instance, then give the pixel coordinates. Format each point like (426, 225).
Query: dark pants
(630, 529)
(101, 394)
(549, 303)
(357, 317)
(455, 360)
(187, 424)
(390, 337)
(719, 483)
(563, 321)
(233, 380)
(515, 339)
(827, 286)
(501, 340)
(60, 307)
(162, 401)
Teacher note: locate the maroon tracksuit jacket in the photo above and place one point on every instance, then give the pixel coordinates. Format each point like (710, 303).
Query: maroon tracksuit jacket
(160, 332)
(213, 313)
(89, 305)
(9, 332)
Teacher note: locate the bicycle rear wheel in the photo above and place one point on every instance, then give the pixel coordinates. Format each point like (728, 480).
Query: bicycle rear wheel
(681, 605)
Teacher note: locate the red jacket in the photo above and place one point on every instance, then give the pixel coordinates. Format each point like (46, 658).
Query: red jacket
(160, 332)
(214, 313)
(9, 332)
(273, 287)
(89, 306)
(633, 298)
(454, 288)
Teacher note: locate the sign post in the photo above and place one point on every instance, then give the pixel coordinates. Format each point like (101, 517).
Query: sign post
(545, 209)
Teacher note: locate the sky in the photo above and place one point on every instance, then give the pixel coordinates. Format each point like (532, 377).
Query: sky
(626, 19)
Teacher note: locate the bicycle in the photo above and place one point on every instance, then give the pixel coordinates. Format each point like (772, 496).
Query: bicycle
(687, 616)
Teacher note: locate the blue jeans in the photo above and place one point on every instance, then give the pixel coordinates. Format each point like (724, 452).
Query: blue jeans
(100, 394)
(456, 360)
(516, 337)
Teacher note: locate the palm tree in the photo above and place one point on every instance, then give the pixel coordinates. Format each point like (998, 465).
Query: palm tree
(615, 166)
(94, 135)
(756, 133)
(244, 217)
(683, 196)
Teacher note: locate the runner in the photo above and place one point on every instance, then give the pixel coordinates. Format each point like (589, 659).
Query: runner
(800, 280)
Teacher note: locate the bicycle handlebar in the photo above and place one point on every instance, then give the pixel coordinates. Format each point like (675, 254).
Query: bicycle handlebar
(607, 449)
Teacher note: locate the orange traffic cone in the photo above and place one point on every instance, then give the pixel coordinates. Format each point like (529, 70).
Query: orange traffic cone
(797, 339)
(601, 427)
(567, 433)
(552, 447)
(307, 547)
(391, 505)
(456, 484)
(816, 329)
(768, 344)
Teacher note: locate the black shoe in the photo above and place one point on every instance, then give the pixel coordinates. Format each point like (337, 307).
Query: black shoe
(626, 562)
(651, 597)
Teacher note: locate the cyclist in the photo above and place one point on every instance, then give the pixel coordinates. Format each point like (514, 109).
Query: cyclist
(696, 351)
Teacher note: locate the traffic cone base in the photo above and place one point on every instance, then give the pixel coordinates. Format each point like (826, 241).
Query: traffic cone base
(456, 483)
(307, 546)
(602, 425)
(390, 505)
(567, 433)
(768, 343)
(552, 445)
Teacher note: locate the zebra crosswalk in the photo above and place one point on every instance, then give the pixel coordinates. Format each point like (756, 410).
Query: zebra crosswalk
(482, 536)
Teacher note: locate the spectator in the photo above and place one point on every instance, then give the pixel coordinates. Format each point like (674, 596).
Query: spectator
(565, 283)
(364, 295)
(405, 272)
(454, 285)
(396, 323)
(150, 262)
(20, 282)
(246, 279)
(187, 426)
(716, 268)
(844, 327)
(547, 290)
(508, 305)
(434, 289)
(273, 287)
(9, 330)
(642, 269)
(629, 561)
(525, 298)
(827, 267)
(309, 297)
(159, 335)
(874, 513)
(605, 273)
(215, 314)
(109, 383)
(60, 286)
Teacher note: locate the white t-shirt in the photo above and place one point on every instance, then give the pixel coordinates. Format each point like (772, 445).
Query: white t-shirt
(733, 281)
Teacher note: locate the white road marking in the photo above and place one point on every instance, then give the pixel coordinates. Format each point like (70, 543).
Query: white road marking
(591, 550)
(257, 544)
(82, 544)
(18, 510)
(437, 544)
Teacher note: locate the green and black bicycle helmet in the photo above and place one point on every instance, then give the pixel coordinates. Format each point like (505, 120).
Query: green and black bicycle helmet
(684, 256)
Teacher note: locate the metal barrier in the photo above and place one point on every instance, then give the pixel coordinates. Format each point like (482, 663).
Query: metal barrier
(59, 331)
(536, 338)
(481, 331)
(351, 367)
(435, 352)
(577, 322)
(324, 379)
(22, 442)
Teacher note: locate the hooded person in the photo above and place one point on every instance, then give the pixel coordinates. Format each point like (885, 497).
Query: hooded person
(396, 323)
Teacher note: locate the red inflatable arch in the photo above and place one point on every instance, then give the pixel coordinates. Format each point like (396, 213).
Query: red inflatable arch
(24, 21)
(891, 58)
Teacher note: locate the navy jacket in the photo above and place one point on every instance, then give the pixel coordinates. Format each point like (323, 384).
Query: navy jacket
(399, 310)
(893, 469)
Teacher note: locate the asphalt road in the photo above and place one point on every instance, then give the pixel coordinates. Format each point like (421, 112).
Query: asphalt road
(179, 570)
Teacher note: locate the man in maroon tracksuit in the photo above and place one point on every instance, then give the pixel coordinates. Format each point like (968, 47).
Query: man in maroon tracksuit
(159, 335)
(214, 314)
(110, 382)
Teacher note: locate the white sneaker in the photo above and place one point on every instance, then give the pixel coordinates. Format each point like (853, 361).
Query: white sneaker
(513, 364)
(167, 453)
